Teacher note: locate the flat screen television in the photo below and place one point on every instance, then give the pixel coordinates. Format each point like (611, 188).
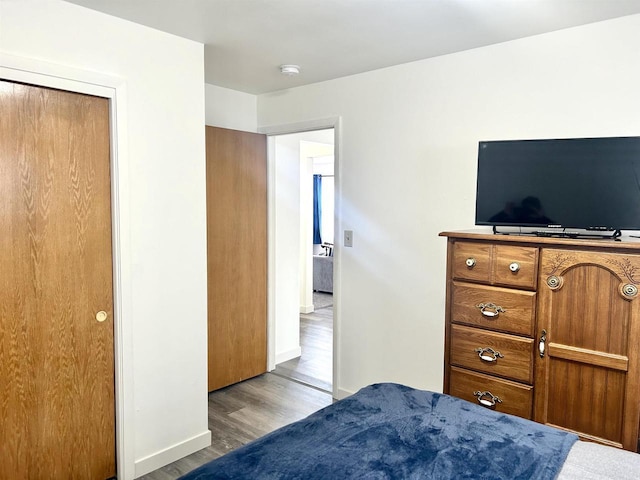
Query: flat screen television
(579, 183)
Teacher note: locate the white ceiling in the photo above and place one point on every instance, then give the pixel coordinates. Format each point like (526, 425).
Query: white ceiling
(247, 40)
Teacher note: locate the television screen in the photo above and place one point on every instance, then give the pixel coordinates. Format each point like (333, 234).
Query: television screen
(586, 183)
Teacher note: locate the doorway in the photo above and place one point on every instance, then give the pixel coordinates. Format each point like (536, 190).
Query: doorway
(303, 296)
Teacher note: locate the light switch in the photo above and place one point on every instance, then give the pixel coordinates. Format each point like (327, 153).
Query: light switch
(348, 238)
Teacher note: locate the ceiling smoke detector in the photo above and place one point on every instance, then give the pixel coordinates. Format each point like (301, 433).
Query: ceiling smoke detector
(289, 70)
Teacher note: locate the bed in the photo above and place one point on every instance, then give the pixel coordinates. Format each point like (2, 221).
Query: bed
(391, 431)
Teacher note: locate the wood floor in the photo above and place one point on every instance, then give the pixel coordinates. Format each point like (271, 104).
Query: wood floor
(315, 366)
(245, 411)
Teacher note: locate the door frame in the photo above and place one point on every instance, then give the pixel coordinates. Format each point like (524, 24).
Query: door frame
(286, 129)
(45, 74)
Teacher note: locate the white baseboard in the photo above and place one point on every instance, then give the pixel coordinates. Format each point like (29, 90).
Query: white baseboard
(340, 394)
(307, 308)
(171, 454)
(288, 355)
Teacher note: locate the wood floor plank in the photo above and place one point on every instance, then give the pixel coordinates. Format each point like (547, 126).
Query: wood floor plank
(315, 366)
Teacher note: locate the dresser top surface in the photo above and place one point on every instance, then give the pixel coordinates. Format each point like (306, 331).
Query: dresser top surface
(622, 243)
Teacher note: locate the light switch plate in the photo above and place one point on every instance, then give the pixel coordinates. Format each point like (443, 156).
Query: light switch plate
(348, 238)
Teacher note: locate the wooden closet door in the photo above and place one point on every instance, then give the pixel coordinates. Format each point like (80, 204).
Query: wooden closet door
(237, 255)
(588, 380)
(57, 418)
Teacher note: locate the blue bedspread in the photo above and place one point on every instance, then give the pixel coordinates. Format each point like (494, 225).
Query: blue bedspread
(390, 431)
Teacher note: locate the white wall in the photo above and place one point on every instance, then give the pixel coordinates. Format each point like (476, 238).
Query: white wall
(163, 228)
(286, 268)
(228, 108)
(409, 149)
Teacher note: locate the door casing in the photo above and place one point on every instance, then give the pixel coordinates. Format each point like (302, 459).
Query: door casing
(44, 74)
(270, 131)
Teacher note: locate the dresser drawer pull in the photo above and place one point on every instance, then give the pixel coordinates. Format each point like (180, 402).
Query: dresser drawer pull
(488, 354)
(514, 267)
(490, 310)
(470, 262)
(487, 399)
(543, 342)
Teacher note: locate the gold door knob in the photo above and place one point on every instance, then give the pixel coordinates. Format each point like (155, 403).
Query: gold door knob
(101, 316)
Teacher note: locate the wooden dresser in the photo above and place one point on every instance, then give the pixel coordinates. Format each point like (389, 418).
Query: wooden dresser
(547, 329)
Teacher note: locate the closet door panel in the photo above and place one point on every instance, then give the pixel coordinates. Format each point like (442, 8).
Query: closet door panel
(56, 359)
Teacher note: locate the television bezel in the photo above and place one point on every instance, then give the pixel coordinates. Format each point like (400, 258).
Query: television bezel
(551, 228)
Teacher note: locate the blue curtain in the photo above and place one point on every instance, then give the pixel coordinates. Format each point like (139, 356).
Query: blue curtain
(317, 210)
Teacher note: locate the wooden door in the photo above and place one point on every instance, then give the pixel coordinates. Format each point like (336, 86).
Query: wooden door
(237, 255)
(56, 360)
(588, 380)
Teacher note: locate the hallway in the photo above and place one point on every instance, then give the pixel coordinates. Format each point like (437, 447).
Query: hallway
(315, 366)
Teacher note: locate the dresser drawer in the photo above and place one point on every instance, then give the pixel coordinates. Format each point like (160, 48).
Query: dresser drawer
(493, 353)
(505, 310)
(515, 398)
(508, 265)
(515, 266)
(472, 261)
